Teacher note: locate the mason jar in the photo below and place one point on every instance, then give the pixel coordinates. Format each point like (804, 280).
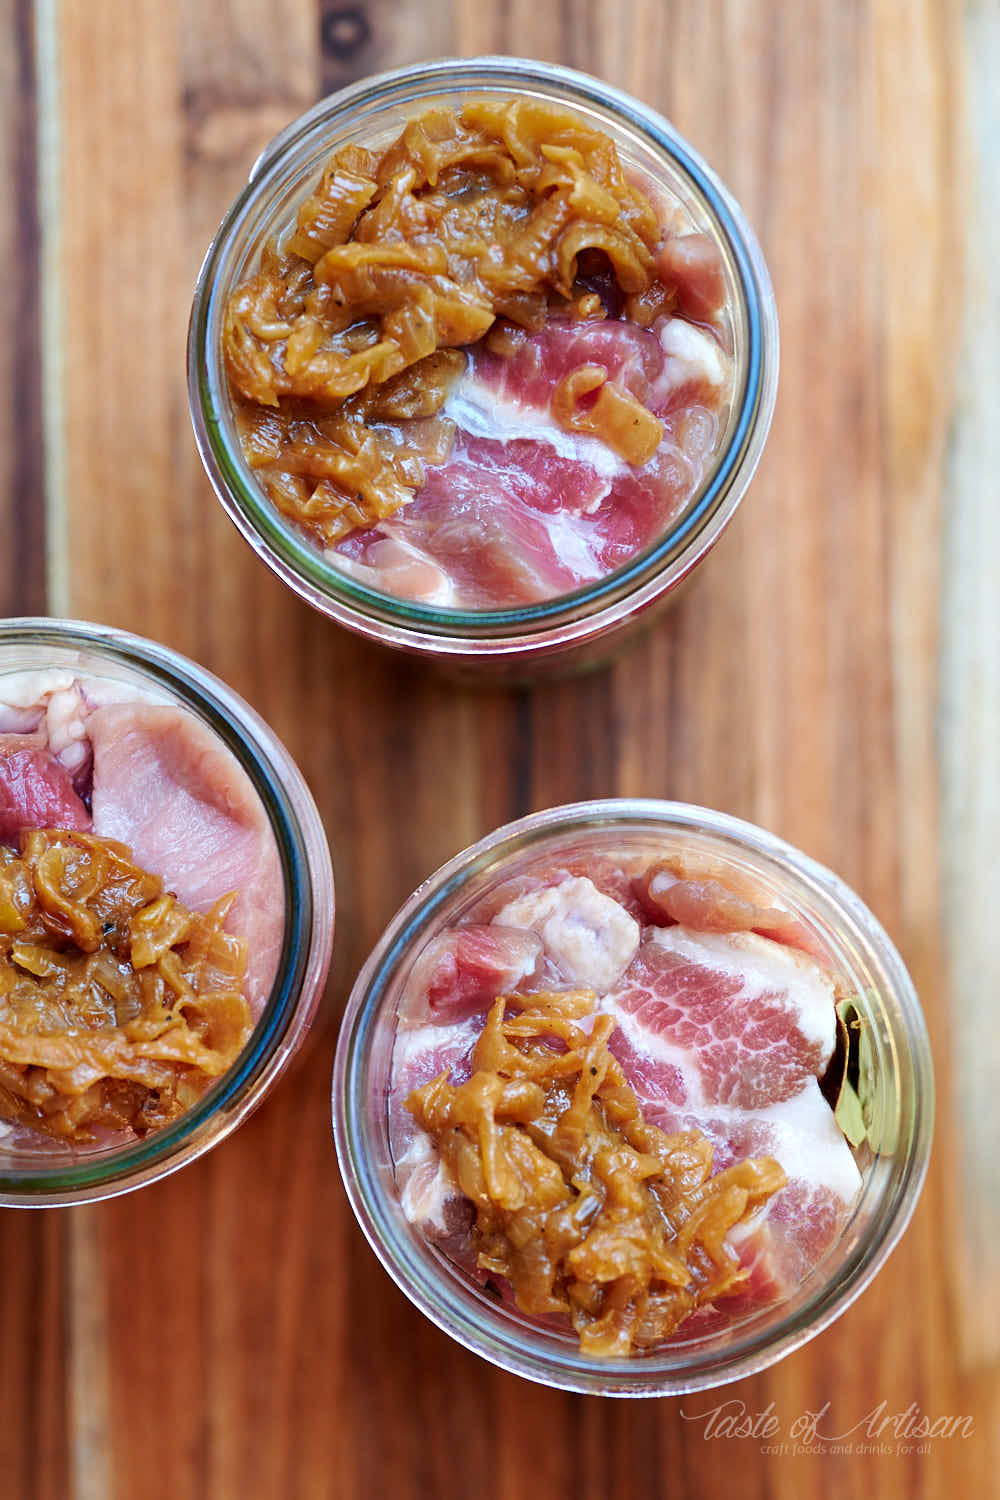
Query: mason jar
(584, 624)
(830, 920)
(38, 1171)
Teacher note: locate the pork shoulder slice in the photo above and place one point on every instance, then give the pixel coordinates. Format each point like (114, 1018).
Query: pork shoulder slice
(165, 786)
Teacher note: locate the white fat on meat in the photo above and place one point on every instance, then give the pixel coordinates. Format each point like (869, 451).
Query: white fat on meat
(573, 543)
(481, 412)
(426, 1185)
(423, 1050)
(804, 1137)
(51, 701)
(590, 938)
(691, 354)
(789, 1234)
(66, 727)
(61, 702)
(30, 690)
(420, 1053)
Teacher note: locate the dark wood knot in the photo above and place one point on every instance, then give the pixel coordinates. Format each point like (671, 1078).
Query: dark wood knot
(345, 31)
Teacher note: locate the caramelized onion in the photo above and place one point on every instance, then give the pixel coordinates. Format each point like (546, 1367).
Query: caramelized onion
(117, 1005)
(402, 256)
(615, 415)
(584, 1208)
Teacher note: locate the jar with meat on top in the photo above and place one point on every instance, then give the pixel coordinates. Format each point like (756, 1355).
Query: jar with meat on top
(482, 361)
(166, 911)
(633, 1098)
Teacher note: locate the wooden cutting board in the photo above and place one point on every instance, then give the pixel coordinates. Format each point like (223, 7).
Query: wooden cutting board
(228, 1333)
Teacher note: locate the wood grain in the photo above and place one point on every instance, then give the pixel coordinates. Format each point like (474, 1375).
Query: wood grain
(34, 1436)
(228, 1333)
(22, 561)
(970, 711)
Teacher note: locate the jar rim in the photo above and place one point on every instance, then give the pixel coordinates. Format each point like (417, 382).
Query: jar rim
(306, 943)
(567, 617)
(512, 1344)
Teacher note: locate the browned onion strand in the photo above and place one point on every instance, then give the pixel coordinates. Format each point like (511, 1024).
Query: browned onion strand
(584, 1208)
(472, 223)
(117, 1005)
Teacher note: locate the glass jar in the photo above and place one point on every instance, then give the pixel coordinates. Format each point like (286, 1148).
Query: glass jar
(56, 1174)
(901, 1083)
(513, 639)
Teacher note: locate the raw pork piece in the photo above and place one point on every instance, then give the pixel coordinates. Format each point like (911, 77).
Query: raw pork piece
(614, 877)
(421, 1053)
(750, 1020)
(723, 1032)
(441, 1015)
(164, 786)
(571, 932)
(691, 263)
(705, 894)
(728, 1034)
(460, 972)
(590, 940)
(36, 791)
(522, 509)
(637, 358)
(45, 755)
(52, 706)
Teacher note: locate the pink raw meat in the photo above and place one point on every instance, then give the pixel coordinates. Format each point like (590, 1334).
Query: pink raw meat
(749, 1035)
(522, 510)
(36, 792)
(610, 876)
(441, 1017)
(803, 1220)
(801, 1224)
(421, 1053)
(710, 898)
(656, 1080)
(725, 1033)
(692, 264)
(166, 787)
(728, 1034)
(476, 518)
(460, 972)
(631, 355)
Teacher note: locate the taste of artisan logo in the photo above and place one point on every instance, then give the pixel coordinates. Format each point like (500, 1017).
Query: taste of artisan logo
(877, 1431)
